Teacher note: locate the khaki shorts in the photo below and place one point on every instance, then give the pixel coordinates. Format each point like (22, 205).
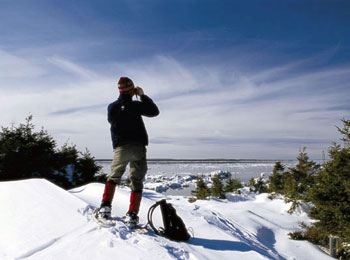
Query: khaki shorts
(134, 154)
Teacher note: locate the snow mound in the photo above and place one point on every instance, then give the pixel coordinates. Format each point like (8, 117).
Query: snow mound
(35, 214)
(42, 221)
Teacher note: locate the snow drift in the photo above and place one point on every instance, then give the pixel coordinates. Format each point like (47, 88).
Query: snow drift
(39, 220)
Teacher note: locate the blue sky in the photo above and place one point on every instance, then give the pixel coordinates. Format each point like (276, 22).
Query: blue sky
(233, 79)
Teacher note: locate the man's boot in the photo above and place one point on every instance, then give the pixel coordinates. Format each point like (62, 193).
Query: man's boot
(105, 210)
(131, 215)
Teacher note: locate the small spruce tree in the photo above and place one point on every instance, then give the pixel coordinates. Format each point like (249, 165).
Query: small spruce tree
(275, 180)
(217, 189)
(257, 185)
(299, 179)
(202, 191)
(232, 185)
(303, 173)
(294, 182)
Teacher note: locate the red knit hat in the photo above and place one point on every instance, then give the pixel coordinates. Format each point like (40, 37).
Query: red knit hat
(125, 84)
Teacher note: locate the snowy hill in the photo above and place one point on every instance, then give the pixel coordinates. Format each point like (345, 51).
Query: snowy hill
(39, 220)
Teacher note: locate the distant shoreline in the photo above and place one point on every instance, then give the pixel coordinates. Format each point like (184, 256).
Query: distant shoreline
(163, 160)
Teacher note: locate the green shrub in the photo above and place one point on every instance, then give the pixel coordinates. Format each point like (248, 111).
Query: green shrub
(233, 185)
(202, 192)
(26, 153)
(276, 180)
(328, 189)
(311, 233)
(217, 189)
(331, 193)
(294, 182)
(192, 199)
(257, 185)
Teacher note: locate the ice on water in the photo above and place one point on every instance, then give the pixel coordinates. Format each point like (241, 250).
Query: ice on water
(171, 176)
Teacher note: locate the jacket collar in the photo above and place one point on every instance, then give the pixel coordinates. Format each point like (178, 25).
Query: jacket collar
(125, 97)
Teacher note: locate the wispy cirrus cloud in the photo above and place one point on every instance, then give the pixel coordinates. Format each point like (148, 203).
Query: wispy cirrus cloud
(77, 109)
(206, 110)
(13, 66)
(235, 85)
(72, 68)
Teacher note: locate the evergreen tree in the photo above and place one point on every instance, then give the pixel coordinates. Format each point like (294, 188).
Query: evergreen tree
(275, 180)
(257, 185)
(331, 192)
(294, 182)
(26, 153)
(303, 173)
(217, 189)
(202, 191)
(233, 185)
(299, 179)
(86, 169)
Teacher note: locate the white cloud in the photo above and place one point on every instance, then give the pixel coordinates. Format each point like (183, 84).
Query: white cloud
(73, 68)
(161, 76)
(205, 111)
(12, 66)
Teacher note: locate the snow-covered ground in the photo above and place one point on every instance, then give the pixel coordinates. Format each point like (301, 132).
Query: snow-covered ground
(39, 220)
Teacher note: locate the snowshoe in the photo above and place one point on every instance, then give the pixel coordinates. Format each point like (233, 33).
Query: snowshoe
(131, 219)
(103, 216)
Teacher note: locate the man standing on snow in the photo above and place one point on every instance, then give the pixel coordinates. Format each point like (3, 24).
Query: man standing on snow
(129, 138)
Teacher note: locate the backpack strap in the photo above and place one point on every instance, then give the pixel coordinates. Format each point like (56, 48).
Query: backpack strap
(174, 227)
(150, 215)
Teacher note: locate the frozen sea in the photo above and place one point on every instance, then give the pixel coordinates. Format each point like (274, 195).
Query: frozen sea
(166, 170)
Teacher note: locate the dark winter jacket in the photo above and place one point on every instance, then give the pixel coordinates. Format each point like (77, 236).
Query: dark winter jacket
(125, 117)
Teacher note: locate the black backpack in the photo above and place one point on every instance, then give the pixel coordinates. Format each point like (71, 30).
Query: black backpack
(174, 227)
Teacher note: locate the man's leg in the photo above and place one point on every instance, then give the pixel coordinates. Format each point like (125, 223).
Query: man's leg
(135, 201)
(138, 170)
(118, 167)
(108, 194)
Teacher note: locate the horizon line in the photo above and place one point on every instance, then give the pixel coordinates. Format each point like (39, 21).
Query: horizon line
(208, 159)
